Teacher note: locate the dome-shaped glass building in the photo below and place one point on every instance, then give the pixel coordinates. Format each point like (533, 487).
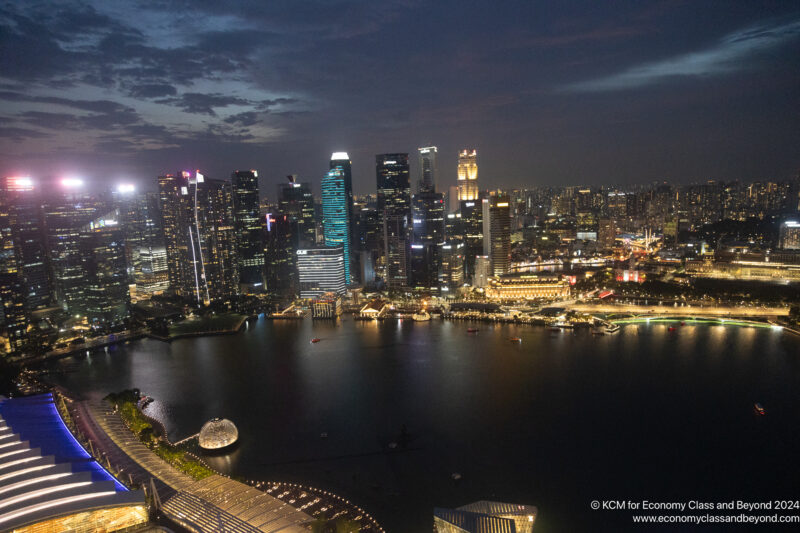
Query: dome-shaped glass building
(218, 433)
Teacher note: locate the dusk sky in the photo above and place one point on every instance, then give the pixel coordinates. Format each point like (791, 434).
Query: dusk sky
(547, 92)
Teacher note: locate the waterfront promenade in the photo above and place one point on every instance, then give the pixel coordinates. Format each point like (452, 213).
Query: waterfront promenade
(214, 503)
(685, 310)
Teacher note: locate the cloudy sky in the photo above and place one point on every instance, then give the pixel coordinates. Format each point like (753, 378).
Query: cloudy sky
(563, 92)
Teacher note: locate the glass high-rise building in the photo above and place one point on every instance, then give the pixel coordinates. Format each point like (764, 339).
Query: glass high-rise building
(103, 249)
(296, 201)
(335, 217)
(428, 172)
(341, 161)
(428, 231)
(12, 297)
(321, 270)
(21, 200)
(497, 233)
(468, 175)
(249, 233)
(279, 252)
(394, 205)
(199, 233)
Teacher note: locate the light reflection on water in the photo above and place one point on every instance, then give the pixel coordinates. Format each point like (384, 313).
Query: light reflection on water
(555, 421)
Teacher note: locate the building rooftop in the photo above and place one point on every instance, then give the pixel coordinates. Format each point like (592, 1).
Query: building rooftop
(45, 474)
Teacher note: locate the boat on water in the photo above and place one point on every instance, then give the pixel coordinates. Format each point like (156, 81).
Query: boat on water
(598, 332)
(422, 316)
(683, 323)
(472, 330)
(613, 328)
(672, 328)
(759, 409)
(315, 340)
(554, 329)
(515, 339)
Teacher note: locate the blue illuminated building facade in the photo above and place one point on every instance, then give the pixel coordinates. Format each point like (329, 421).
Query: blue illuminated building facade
(335, 215)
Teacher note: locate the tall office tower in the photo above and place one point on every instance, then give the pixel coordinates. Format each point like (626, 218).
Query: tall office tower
(453, 203)
(173, 190)
(279, 253)
(140, 221)
(428, 172)
(66, 212)
(341, 161)
(428, 231)
(152, 274)
(497, 233)
(199, 233)
(102, 247)
(789, 235)
(249, 232)
(23, 203)
(606, 233)
(468, 175)
(483, 271)
(296, 201)
(321, 270)
(12, 296)
(451, 272)
(472, 232)
(394, 205)
(335, 218)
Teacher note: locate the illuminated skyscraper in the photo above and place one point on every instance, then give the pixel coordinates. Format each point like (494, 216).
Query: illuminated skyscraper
(321, 270)
(67, 210)
(12, 298)
(335, 218)
(341, 161)
(789, 236)
(394, 205)
(23, 203)
(497, 233)
(428, 230)
(106, 284)
(280, 254)
(172, 190)
(199, 232)
(249, 233)
(468, 175)
(296, 202)
(428, 179)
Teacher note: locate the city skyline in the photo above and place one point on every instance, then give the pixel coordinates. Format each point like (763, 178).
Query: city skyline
(580, 94)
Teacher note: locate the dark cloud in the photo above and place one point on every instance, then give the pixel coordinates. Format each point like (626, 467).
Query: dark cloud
(152, 90)
(163, 83)
(203, 103)
(247, 118)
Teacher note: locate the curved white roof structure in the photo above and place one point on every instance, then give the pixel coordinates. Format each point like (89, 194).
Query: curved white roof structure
(45, 474)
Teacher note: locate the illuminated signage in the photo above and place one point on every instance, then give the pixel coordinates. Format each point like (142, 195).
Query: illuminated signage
(200, 177)
(502, 204)
(302, 252)
(339, 156)
(125, 188)
(470, 204)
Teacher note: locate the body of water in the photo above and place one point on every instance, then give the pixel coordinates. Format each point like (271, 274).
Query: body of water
(555, 421)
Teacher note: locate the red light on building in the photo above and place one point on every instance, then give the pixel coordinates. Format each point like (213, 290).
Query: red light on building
(19, 183)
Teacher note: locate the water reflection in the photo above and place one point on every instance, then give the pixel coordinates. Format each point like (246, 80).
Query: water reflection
(552, 421)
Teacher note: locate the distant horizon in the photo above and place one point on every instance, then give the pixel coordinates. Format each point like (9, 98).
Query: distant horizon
(267, 181)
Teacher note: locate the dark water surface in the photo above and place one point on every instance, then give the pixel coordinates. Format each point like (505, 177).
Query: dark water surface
(556, 421)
